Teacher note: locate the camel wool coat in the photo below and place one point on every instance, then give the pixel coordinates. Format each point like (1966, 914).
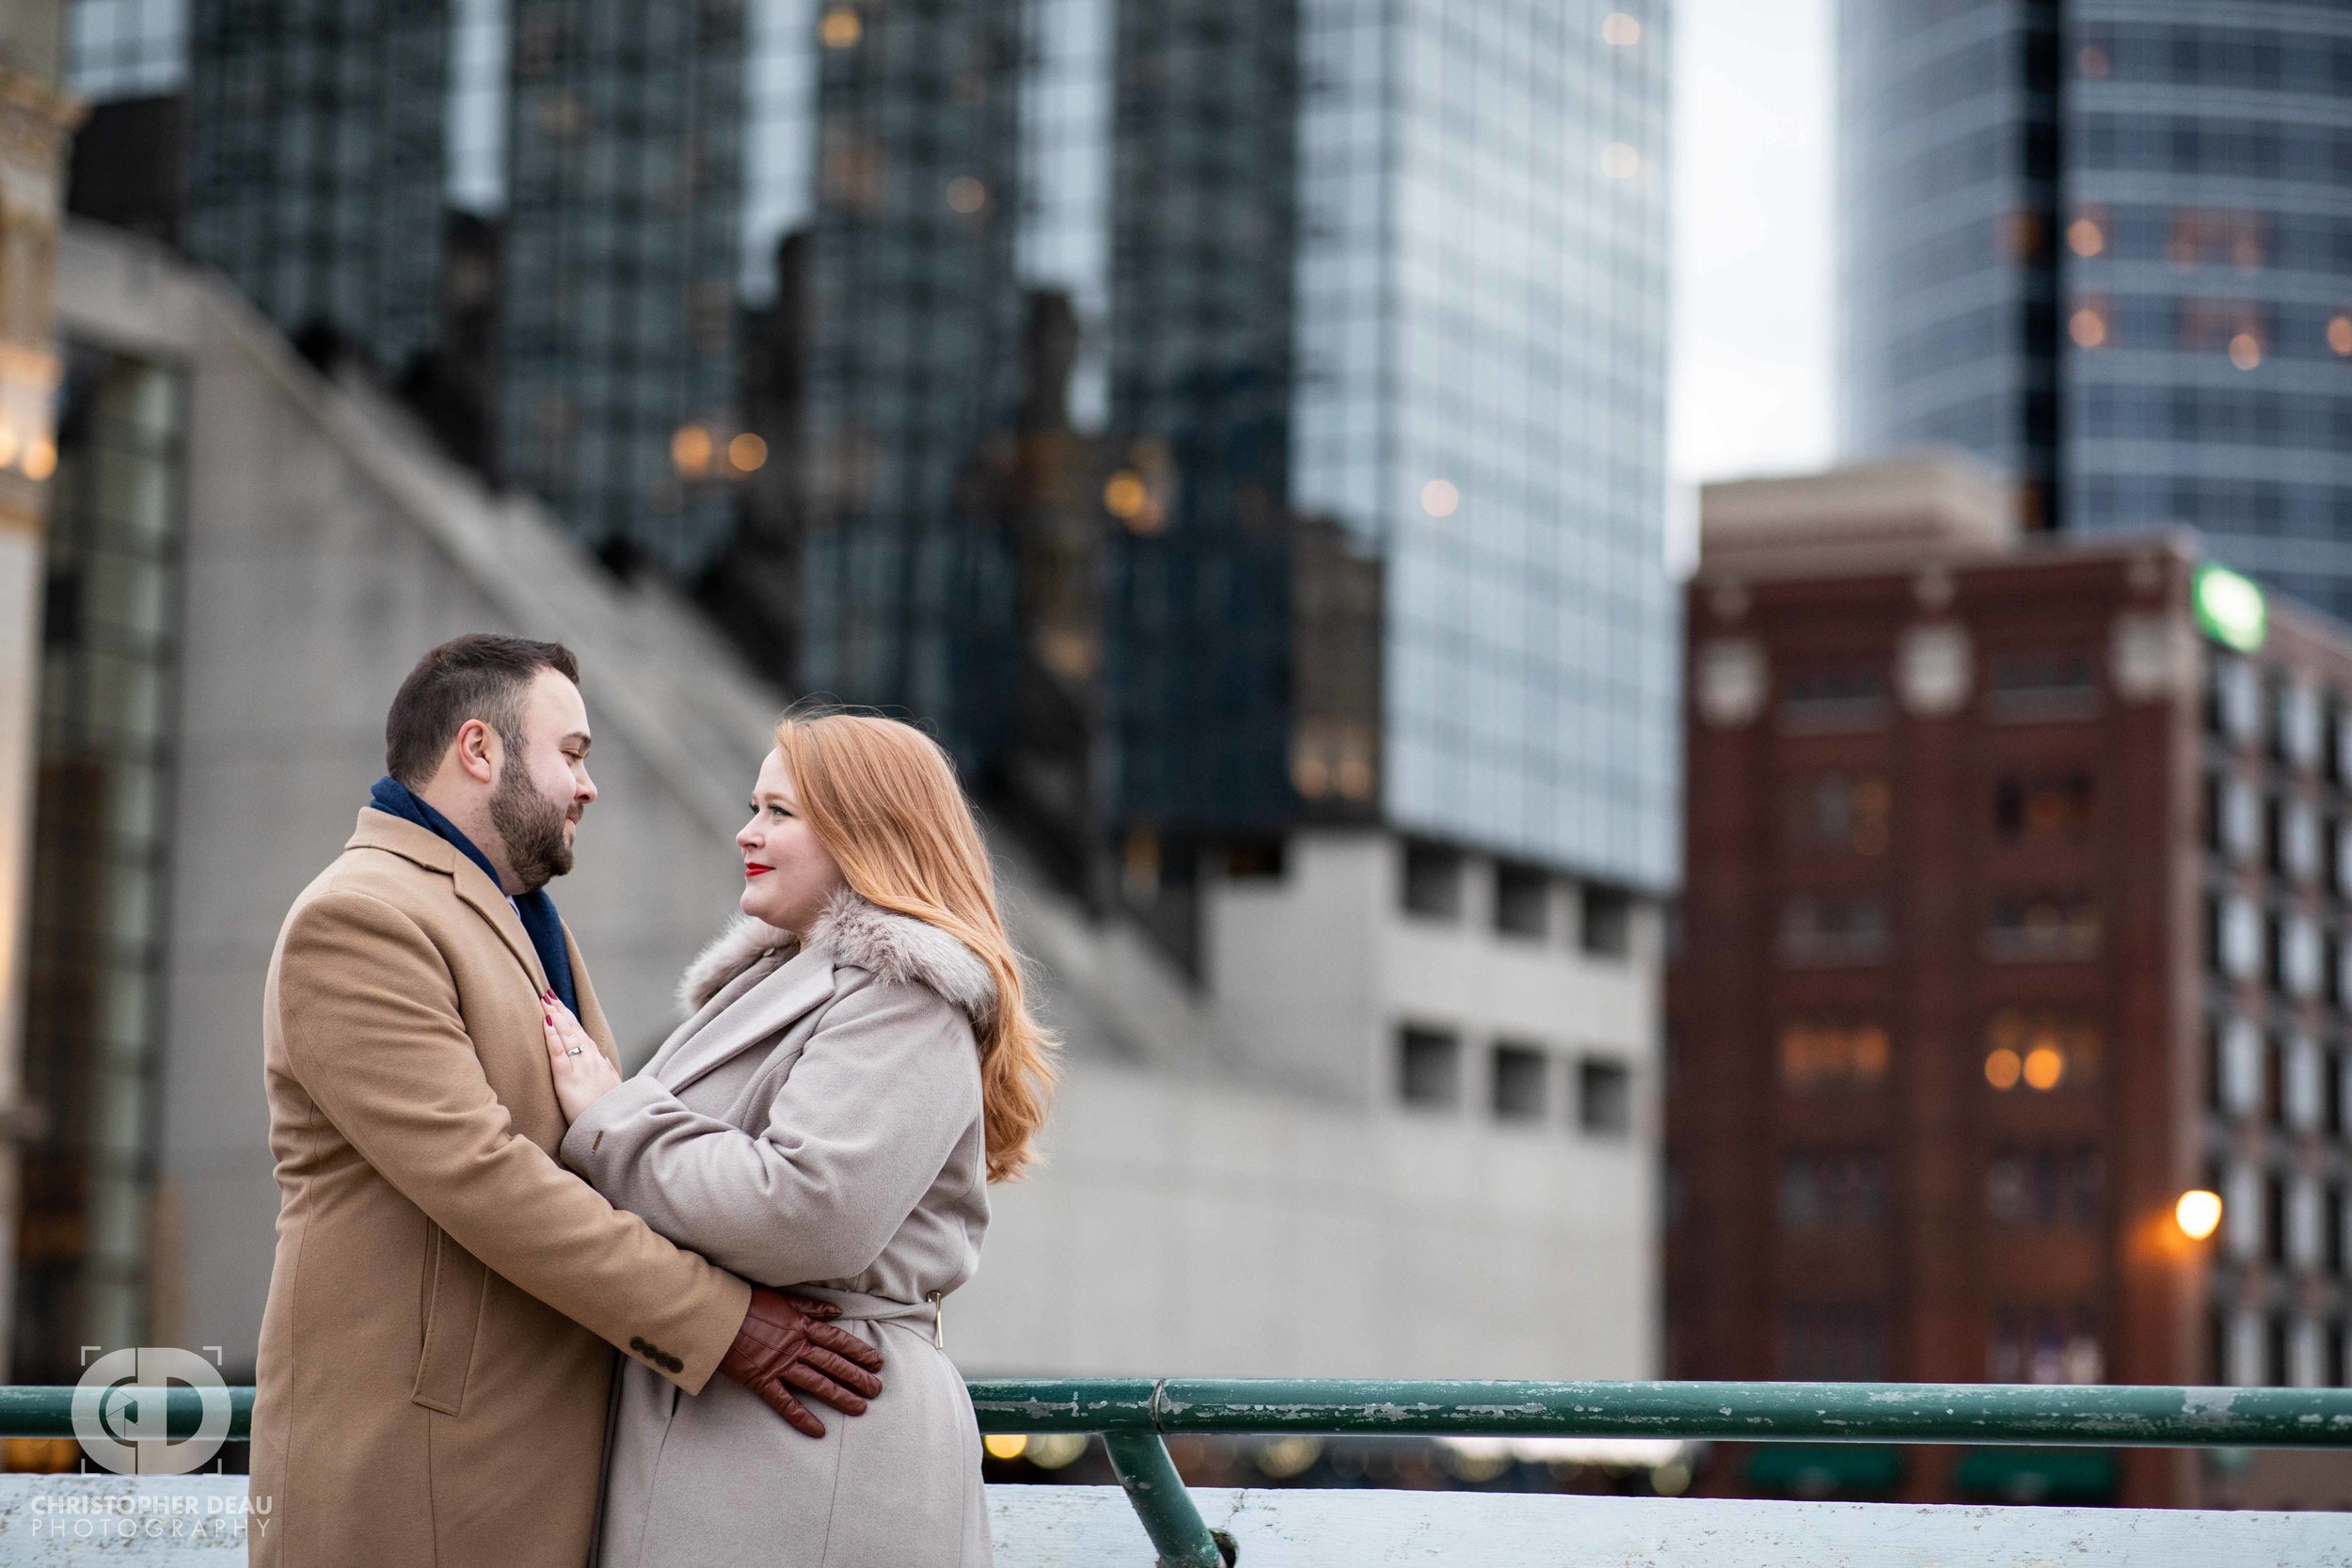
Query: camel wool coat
(436, 1356)
(815, 1124)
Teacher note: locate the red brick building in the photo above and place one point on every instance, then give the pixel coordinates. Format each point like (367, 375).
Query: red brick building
(2018, 903)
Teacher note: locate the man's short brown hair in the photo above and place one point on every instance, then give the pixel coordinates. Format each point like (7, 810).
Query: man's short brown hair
(480, 675)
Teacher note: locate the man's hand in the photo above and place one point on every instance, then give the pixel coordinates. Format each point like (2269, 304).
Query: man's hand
(789, 1342)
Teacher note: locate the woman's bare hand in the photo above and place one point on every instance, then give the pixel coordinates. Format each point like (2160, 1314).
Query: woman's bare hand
(584, 1075)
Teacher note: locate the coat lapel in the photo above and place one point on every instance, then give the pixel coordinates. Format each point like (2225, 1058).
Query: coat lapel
(769, 1007)
(382, 831)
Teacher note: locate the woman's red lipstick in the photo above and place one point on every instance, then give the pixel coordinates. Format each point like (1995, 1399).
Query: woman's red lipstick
(752, 868)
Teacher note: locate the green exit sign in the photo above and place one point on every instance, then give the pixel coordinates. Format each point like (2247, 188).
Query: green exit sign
(2229, 608)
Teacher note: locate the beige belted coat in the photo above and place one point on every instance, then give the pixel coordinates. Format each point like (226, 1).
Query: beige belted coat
(815, 1124)
(436, 1354)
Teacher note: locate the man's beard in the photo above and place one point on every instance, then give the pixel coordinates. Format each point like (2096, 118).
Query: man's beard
(531, 825)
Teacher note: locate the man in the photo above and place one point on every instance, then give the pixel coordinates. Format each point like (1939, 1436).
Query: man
(436, 1352)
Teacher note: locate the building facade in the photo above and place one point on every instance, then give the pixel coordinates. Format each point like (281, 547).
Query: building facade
(2014, 914)
(2101, 244)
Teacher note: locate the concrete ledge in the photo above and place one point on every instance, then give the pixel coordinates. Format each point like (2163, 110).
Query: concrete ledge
(197, 1522)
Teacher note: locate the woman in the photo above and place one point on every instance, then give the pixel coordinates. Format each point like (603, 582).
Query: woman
(858, 1066)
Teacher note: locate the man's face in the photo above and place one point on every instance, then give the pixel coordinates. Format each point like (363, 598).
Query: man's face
(543, 784)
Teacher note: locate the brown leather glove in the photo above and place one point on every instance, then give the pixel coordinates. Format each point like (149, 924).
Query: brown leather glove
(789, 1342)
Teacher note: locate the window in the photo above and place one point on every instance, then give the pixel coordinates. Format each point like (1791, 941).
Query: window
(2234, 931)
(1433, 880)
(2233, 807)
(1522, 1079)
(1522, 900)
(1604, 1095)
(1606, 927)
(1818, 1056)
(2043, 1344)
(2299, 841)
(2042, 686)
(2045, 1186)
(1429, 1067)
(1825, 697)
(1832, 1342)
(2299, 725)
(1842, 814)
(2303, 1094)
(2043, 926)
(2043, 807)
(1842, 1190)
(1833, 929)
(2039, 1050)
(2273, 1191)
(2237, 707)
(2238, 1067)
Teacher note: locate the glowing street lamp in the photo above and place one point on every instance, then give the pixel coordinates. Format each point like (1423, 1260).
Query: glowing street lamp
(2198, 1213)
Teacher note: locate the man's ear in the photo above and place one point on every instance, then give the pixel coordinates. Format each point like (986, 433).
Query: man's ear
(477, 747)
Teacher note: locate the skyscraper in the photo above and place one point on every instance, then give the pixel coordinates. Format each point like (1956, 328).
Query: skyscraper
(2101, 244)
(1403, 269)
(618, 304)
(526, 215)
(316, 158)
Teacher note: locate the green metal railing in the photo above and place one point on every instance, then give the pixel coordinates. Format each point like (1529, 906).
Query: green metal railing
(1135, 1415)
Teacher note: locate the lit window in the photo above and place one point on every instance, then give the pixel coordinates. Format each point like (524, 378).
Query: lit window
(2245, 350)
(2340, 335)
(2088, 327)
(691, 449)
(2037, 1050)
(748, 452)
(1620, 30)
(1817, 1056)
(2084, 237)
(840, 28)
(966, 195)
(1619, 161)
(1439, 498)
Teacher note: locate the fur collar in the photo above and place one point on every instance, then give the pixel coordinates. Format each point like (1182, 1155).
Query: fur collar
(894, 946)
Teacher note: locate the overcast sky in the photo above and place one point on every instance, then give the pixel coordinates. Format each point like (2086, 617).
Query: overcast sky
(1752, 334)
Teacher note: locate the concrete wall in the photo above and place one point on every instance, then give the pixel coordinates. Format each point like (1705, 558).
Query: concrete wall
(1209, 1229)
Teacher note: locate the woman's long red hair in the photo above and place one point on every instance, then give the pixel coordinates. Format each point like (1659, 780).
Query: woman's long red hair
(882, 797)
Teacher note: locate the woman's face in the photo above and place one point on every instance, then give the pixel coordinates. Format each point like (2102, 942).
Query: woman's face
(787, 872)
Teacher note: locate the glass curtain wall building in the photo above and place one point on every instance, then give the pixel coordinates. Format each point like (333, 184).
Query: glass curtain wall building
(913, 322)
(315, 163)
(1482, 318)
(2105, 244)
(1402, 268)
(617, 300)
(94, 1025)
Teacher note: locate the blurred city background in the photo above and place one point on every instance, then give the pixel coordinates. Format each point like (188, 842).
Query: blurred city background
(1658, 682)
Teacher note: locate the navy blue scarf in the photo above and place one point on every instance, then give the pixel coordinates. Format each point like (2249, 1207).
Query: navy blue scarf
(540, 922)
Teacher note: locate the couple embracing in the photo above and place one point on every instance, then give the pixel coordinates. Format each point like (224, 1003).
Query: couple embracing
(477, 1212)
